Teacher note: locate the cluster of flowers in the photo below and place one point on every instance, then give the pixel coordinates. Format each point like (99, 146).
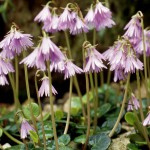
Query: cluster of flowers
(122, 56)
(72, 19)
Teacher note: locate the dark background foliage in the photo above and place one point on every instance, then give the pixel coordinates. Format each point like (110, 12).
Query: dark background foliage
(22, 12)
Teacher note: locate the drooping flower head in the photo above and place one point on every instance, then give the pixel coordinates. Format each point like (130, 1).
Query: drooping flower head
(3, 80)
(134, 28)
(44, 14)
(14, 42)
(94, 59)
(51, 25)
(133, 103)
(25, 129)
(139, 45)
(77, 26)
(44, 89)
(122, 59)
(72, 19)
(46, 50)
(5, 68)
(102, 17)
(65, 19)
(89, 18)
(147, 120)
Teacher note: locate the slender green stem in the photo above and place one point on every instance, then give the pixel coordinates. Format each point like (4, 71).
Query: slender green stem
(80, 95)
(145, 65)
(17, 103)
(11, 137)
(69, 111)
(75, 81)
(122, 107)
(40, 106)
(51, 106)
(68, 44)
(141, 108)
(88, 112)
(17, 76)
(28, 94)
(88, 105)
(108, 82)
(96, 100)
(101, 78)
(94, 36)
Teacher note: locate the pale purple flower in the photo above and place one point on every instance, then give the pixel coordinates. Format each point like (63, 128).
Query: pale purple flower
(3, 80)
(102, 17)
(132, 63)
(69, 69)
(94, 61)
(134, 29)
(65, 20)
(51, 26)
(77, 26)
(14, 42)
(122, 59)
(139, 46)
(5, 66)
(109, 54)
(43, 15)
(147, 120)
(119, 74)
(25, 129)
(30, 60)
(133, 102)
(89, 18)
(44, 89)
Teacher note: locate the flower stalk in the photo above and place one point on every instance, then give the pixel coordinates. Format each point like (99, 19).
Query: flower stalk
(69, 110)
(40, 107)
(122, 107)
(51, 106)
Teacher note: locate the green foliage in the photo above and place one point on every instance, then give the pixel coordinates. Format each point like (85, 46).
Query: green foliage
(34, 136)
(99, 141)
(80, 139)
(64, 140)
(35, 110)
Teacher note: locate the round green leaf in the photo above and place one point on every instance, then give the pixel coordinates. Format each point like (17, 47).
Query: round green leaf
(64, 140)
(35, 110)
(75, 105)
(59, 114)
(80, 139)
(130, 118)
(99, 141)
(34, 136)
(65, 148)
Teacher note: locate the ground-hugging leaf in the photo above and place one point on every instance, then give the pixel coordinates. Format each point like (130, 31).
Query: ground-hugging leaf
(35, 110)
(130, 118)
(131, 146)
(65, 148)
(103, 109)
(80, 139)
(99, 142)
(64, 140)
(34, 136)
